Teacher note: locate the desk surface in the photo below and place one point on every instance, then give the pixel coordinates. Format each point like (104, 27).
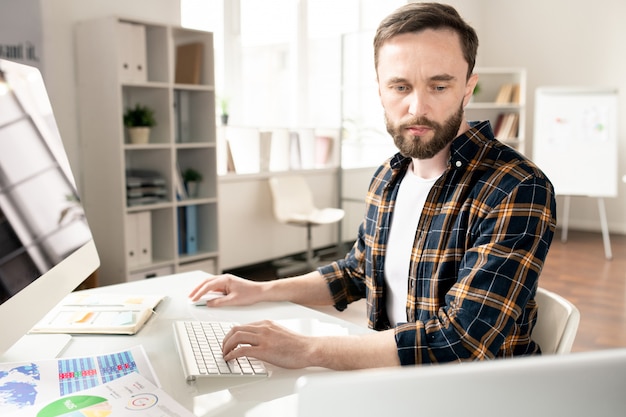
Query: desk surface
(219, 397)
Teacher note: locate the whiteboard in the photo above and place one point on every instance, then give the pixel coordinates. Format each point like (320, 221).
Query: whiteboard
(575, 139)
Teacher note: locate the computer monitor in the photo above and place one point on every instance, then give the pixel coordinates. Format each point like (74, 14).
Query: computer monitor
(46, 247)
(577, 384)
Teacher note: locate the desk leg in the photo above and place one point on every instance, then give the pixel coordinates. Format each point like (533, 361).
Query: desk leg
(566, 202)
(605, 229)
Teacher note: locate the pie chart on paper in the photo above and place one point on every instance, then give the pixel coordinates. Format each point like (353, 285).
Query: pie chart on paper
(77, 406)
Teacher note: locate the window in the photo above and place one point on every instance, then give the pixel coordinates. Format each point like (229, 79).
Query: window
(279, 62)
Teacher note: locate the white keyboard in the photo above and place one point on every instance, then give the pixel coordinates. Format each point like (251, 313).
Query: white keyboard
(200, 347)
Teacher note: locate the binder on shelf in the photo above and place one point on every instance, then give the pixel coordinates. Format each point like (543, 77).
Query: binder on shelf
(306, 141)
(182, 238)
(191, 229)
(295, 161)
(188, 230)
(139, 238)
(189, 63)
(181, 191)
(265, 151)
(243, 143)
(131, 46)
(182, 120)
(323, 150)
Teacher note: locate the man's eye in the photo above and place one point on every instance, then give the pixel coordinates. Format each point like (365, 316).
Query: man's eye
(440, 88)
(401, 88)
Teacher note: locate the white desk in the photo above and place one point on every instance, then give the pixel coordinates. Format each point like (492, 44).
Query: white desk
(270, 396)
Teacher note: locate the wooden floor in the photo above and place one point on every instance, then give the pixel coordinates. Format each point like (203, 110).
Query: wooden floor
(580, 272)
(577, 270)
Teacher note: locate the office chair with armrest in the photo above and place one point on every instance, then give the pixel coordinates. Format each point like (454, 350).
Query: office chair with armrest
(557, 323)
(293, 204)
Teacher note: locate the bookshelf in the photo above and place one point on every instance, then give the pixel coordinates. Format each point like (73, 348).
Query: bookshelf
(501, 99)
(122, 62)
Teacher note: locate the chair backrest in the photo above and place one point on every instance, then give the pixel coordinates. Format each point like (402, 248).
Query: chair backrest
(291, 195)
(557, 323)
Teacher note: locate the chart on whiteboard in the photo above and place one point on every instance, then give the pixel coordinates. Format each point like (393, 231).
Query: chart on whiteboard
(575, 140)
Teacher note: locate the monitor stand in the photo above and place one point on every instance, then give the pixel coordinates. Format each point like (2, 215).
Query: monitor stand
(37, 347)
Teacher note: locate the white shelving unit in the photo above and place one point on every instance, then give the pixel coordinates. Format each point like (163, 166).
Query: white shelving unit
(486, 106)
(123, 62)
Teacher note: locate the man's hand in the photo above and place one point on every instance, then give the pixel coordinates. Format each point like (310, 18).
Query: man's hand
(237, 291)
(269, 342)
(272, 343)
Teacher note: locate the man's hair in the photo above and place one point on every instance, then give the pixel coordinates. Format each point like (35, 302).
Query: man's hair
(415, 17)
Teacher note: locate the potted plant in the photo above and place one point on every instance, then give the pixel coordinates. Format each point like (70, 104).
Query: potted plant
(192, 179)
(224, 110)
(139, 120)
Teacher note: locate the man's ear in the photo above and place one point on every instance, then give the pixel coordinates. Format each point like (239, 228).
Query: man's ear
(469, 88)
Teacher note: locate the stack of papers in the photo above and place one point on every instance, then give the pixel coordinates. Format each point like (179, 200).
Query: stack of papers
(103, 385)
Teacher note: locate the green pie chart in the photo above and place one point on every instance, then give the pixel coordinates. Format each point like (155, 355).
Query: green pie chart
(77, 406)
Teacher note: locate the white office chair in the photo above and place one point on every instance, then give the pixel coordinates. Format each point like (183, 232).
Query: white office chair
(557, 323)
(293, 204)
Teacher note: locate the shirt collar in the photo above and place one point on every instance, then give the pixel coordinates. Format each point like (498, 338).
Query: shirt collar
(463, 149)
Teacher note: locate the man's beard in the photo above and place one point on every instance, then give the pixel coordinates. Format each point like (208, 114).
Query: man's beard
(415, 146)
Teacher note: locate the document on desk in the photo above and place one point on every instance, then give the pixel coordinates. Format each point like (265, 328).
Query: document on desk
(26, 387)
(97, 313)
(132, 394)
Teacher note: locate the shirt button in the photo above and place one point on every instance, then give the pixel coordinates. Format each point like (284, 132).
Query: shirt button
(458, 164)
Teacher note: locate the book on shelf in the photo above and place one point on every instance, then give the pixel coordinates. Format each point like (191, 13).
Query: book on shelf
(508, 93)
(516, 94)
(507, 125)
(189, 63)
(96, 313)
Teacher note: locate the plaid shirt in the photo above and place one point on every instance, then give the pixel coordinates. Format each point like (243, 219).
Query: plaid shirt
(480, 245)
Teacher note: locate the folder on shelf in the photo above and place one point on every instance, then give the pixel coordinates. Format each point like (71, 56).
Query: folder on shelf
(96, 313)
(295, 161)
(188, 230)
(191, 229)
(189, 63)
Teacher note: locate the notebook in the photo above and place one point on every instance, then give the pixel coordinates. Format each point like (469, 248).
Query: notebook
(99, 314)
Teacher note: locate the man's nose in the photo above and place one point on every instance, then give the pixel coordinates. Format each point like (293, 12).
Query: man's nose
(417, 103)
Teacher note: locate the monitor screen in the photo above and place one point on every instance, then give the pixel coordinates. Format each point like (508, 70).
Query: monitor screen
(46, 247)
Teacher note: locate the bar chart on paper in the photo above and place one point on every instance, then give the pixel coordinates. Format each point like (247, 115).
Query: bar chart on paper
(77, 374)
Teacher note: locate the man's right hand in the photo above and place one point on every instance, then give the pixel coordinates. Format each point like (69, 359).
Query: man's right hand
(237, 291)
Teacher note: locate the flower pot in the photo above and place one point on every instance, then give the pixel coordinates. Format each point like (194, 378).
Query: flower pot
(193, 188)
(139, 135)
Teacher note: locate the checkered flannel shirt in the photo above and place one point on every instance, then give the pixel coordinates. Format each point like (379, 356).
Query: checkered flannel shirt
(480, 245)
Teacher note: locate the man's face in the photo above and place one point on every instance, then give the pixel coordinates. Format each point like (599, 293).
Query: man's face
(423, 87)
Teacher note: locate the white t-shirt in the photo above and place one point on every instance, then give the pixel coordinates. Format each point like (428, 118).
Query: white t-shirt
(406, 214)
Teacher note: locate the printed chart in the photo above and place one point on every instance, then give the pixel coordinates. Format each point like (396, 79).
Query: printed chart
(78, 374)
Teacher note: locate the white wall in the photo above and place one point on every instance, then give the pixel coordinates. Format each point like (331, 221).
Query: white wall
(563, 43)
(560, 42)
(58, 20)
